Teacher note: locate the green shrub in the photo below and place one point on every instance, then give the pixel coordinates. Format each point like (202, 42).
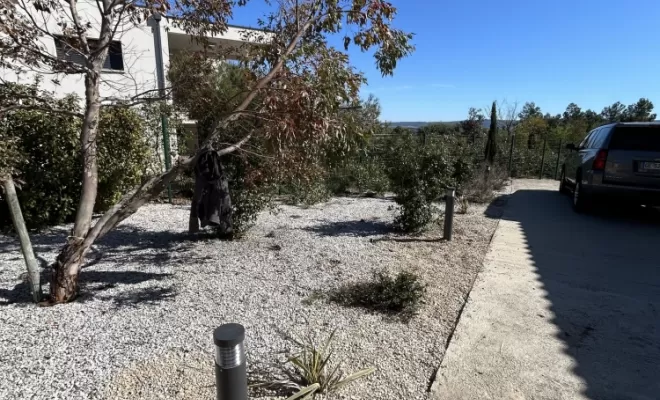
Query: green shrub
(10, 153)
(358, 174)
(401, 295)
(305, 191)
(251, 191)
(124, 155)
(416, 212)
(51, 168)
(419, 174)
(481, 188)
(371, 176)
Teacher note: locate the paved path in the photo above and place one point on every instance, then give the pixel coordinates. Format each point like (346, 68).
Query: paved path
(567, 306)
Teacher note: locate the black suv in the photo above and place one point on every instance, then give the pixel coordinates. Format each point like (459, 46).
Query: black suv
(619, 161)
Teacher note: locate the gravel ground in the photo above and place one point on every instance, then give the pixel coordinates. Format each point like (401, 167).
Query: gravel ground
(142, 327)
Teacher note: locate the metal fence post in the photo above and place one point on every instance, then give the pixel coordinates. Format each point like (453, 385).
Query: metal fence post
(558, 158)
(513, 140)
(230, 367)
(449, 213)
(359, 174)
(160, 77)
(545, 141)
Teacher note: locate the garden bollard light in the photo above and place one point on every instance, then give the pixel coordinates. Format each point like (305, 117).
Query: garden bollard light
(449, 213)
(230, 367)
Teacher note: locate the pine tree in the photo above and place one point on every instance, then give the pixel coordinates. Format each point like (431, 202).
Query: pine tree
(491, 144)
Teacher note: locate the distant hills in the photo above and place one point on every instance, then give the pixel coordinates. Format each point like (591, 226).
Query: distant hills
(417, 124)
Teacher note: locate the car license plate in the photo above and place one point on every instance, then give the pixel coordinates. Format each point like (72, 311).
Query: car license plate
(650, 166)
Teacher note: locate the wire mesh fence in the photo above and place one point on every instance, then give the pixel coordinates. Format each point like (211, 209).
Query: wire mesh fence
(365, 170)
(538, 159)
(517, 157)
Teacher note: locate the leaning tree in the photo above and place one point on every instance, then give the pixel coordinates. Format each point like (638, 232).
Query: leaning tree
(300, 80)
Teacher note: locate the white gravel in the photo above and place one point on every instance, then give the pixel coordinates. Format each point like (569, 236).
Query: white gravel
(142, 328)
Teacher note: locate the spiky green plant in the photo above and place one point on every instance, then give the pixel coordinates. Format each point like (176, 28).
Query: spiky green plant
(313, 373)
(313, 365)
(463, 205)
(305, 393)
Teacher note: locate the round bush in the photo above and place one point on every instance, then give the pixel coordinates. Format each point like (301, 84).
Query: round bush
(418, 175)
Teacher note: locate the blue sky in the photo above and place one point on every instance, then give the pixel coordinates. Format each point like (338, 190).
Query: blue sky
(469, 53)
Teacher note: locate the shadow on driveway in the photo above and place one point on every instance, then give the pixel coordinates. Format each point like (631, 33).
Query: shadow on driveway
(601, 273)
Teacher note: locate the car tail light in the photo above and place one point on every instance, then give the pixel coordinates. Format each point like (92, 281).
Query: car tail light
(600, 161)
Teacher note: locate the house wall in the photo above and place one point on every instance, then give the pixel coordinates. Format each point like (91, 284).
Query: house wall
(137, 42)
(138, 50)
(139, 58)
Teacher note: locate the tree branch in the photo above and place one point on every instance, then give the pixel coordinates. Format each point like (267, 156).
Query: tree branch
(253, 93)
(80, 30)
(140, 195)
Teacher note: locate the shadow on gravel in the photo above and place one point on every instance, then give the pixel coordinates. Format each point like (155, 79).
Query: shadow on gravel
(126, 245)
(93, 285)
(360, 228)
(408, 239)
(602, 276)
(125, 236)
(20, 293)
(42, 242)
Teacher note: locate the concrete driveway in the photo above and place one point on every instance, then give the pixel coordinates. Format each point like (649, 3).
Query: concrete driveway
(566, 307)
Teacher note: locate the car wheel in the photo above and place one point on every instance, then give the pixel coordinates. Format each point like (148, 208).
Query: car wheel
(580, 199)
(562, 183)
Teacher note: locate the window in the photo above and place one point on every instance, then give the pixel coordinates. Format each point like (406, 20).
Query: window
(593, 139)
(583, 143)
(636, 138)
(113, 62)
(599, 139)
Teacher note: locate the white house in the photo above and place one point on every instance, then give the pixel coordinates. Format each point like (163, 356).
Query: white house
(132, 65)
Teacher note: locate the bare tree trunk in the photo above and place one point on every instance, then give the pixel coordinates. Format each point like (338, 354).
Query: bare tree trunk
(64, 279)
(66, 269)
(23, 237)
(89, 155)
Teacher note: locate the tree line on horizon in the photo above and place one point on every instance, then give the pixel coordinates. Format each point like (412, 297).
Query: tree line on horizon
(533, 124)
(642, 110)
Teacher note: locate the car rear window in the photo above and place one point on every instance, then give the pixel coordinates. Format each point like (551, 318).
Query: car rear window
(639, 138)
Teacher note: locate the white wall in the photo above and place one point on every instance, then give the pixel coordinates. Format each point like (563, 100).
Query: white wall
(138, 52)
(139, 58)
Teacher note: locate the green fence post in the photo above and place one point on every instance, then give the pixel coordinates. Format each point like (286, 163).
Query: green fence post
(160, 76)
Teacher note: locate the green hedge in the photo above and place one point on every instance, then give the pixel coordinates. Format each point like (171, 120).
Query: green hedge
(51, 169)
(124, 155)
